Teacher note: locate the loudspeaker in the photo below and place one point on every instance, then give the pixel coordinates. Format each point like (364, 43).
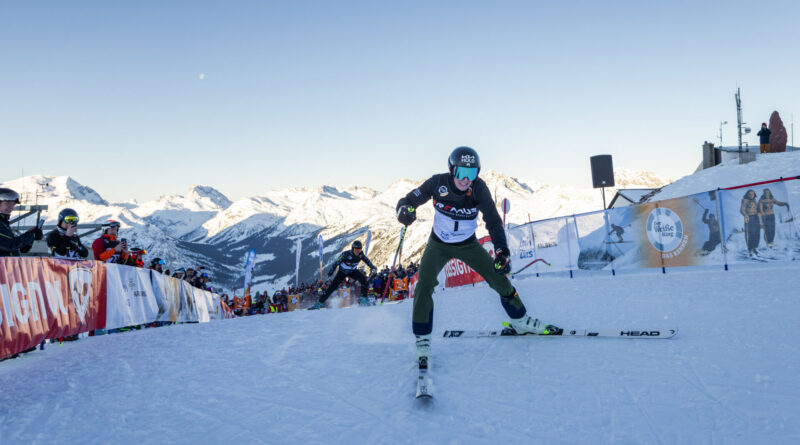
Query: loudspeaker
(602, 171)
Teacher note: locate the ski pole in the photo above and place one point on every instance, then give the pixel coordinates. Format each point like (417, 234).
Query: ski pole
(531, 264)
(396, 254)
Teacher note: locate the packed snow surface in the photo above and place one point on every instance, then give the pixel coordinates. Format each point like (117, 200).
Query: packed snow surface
(348, 375)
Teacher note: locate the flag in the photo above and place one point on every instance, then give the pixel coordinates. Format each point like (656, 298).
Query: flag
(320, 244)
(297, 263)
(366, 247)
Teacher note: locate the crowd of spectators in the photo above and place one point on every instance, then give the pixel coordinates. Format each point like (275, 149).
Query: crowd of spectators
(308, 293)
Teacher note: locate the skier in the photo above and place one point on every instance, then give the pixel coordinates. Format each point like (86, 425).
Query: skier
(347, 264)
(458, 196)
(617, 230)
(714, 234)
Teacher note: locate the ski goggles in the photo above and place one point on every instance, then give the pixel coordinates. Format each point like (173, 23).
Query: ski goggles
(71, 219)
(466, 173)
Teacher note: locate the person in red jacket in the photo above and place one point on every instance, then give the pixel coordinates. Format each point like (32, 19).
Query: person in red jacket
(107, 248)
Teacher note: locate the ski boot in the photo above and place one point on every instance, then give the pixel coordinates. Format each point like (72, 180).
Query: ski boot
(423, 351)
(528, 325)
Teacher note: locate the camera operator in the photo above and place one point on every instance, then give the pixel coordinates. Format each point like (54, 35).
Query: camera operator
(63, 241)
(11, 244)
(107, 248)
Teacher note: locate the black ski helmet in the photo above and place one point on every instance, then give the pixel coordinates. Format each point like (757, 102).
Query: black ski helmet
(65, 213)
(463, 157)
(9, 195)
(357, 245)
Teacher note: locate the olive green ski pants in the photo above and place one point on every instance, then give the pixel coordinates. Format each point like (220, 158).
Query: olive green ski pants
(436, 255)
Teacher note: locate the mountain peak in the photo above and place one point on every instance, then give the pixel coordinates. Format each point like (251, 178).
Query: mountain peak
(208, 195)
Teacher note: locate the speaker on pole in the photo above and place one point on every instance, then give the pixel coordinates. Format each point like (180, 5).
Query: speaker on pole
(602, 173)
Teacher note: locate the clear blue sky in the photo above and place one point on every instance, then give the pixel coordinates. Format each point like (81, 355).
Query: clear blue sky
(138, 99)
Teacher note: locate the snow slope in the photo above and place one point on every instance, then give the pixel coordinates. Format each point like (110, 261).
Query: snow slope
(347, 376)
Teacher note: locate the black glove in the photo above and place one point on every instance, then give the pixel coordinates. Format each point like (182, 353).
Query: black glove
(502, 265)
(37, 233)
(406, 215)
(331, 270)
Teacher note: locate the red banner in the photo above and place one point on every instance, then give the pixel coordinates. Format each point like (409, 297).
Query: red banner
(457, 273)
(48, 298)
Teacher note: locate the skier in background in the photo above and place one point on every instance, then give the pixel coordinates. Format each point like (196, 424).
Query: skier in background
(458, 196)
(766, 208)
(617, 230)
(347, 264)
(714, 233)
(63, 241)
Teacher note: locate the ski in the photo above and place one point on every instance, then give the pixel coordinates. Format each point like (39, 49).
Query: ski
(617, 333)
(424, 383)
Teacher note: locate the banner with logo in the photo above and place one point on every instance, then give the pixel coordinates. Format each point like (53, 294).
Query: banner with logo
(207, 303)
(48, 298)
(458, 273)
(293, 302)
(131, 299)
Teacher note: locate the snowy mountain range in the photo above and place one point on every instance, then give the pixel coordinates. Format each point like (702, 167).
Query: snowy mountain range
(204, 227)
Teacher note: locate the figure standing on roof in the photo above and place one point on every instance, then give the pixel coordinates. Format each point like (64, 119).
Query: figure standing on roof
(763, 138)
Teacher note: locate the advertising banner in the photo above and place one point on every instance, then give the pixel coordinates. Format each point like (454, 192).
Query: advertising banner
(293, 302)
(167, 291)
(554, 240)
(48, 298)
(131, 299)
(759, 225)
(188, 310)
(457, 273)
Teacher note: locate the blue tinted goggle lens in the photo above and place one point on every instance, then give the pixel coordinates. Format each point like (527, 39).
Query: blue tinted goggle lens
(467, 172)
(160, 262)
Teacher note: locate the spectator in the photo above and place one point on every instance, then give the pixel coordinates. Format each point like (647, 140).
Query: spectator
(136, 257)
(179, 273)
(157, 264)
(63, 241)
(11, 244)
(763, 135)
(107, 248)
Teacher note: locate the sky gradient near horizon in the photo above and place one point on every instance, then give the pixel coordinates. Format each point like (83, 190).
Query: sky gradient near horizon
(140, 99)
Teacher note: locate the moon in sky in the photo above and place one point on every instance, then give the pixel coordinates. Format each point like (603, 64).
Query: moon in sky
(202, 76)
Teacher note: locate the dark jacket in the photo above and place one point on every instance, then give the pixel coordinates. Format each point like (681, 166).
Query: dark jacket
(764, 135)
(348, 262)
(63, 246)
(11, 244)
(456, 212)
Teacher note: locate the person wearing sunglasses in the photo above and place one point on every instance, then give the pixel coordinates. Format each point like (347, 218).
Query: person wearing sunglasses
(63, 241)
(108, 248)
(347, 263)
(458, 196)
(157, 264)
